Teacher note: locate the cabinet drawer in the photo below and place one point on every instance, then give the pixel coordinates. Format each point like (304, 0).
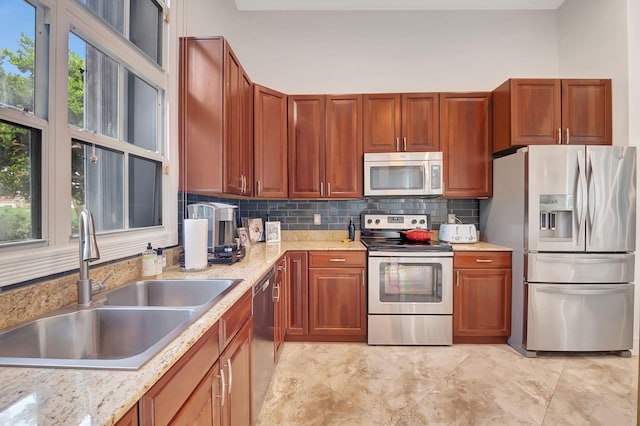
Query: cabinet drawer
(234, 318)
(165, 398)
(482, 259)
(336, 259)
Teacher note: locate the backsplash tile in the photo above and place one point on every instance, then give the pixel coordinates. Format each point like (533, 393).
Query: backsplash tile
(297, 215)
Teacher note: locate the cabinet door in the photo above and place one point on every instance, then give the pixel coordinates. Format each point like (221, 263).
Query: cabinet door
(420, 129)
(270, 143)
(586, 112)
(482, 303)
(344, 147)
(130, 418)
(246, 117)
(306, 146)
(203, 406)
(235, 366)
(238, 147)
(297, 295)
(465, 139)
(279, 303)
(200, 110)
(535, 111)
(337, 302)
(382, 126)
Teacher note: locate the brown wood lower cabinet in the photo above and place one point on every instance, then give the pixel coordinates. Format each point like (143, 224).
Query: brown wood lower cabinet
(482, 297)
(329, 302)
(235, 368)
(211, 383)
(129, 419)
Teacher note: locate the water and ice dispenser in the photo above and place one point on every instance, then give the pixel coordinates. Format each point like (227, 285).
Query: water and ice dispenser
(556, 215)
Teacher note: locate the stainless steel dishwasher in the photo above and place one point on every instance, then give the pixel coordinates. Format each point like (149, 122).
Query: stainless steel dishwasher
(263, 335)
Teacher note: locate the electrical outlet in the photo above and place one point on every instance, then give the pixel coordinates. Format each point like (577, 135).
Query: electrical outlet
(316, 219)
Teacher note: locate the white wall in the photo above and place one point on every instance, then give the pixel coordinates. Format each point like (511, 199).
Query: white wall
(593, 43)
(359, 52)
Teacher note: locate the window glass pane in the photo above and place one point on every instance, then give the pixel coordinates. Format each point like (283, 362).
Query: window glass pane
(111, 11)
(145, 29)
(20, 183)
(97, 183)
(145, 192)
(142, 113)
(93, 88)
(17, 47)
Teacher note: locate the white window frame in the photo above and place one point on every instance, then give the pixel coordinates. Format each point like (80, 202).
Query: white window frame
(57, 251)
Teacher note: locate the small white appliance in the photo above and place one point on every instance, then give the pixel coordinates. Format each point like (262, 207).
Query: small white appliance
(458, 233)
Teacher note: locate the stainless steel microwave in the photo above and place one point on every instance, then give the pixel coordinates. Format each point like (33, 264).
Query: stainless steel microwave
(397, 174)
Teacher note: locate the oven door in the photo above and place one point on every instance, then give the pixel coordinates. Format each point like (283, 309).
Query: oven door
(411, 285)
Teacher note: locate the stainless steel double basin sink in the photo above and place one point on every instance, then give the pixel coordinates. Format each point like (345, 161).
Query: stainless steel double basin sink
(127, 327)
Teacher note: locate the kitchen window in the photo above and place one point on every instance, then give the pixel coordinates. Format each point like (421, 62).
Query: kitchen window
(83, 123)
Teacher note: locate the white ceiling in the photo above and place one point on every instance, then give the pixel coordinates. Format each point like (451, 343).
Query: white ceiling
(290, 5)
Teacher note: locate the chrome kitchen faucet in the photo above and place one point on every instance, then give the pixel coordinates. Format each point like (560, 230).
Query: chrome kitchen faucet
(88, 253)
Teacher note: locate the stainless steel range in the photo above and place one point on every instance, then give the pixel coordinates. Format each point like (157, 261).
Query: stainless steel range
(410, 283)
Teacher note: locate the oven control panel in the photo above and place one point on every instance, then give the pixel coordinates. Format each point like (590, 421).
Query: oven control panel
(397, 221)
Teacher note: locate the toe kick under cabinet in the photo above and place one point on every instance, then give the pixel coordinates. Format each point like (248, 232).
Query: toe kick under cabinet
(481, 297)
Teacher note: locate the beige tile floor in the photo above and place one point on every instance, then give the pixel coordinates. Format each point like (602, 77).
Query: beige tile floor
(356, 384)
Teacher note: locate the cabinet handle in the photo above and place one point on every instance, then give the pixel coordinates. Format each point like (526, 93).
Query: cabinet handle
(322, 189)
(282, 268)
(337, 259)
(363, 282)
(398, 144)
(230, 375)
(276, 298)
(257, 187)
(328, 189)
(559, 136)
(457, 278)
(223, 387)
(404, 143)
(567, 136)
(484, 260)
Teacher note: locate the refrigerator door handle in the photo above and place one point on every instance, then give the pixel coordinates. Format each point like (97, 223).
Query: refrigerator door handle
(582, 292)
(591, 198)
(581, 197)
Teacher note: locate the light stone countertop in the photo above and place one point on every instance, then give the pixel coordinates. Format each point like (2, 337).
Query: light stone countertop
(479, 246)
(57, 396)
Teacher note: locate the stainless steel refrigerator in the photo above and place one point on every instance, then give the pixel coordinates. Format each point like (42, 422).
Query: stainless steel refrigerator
(569, 213)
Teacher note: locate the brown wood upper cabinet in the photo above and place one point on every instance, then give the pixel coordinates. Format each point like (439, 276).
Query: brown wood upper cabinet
(551, 111)
(270, 143)
(238, 127)
(325, 146)
(465, 139)
(401, 122)
(215, 119)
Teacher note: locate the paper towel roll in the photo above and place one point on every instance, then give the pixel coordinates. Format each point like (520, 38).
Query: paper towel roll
(195, 243)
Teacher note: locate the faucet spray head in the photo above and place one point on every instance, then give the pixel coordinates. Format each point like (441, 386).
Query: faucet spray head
(88, 241)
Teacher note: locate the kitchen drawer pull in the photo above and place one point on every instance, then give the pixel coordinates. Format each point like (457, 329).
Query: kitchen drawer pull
(337, 259)
(223, 386)
(484, 260)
